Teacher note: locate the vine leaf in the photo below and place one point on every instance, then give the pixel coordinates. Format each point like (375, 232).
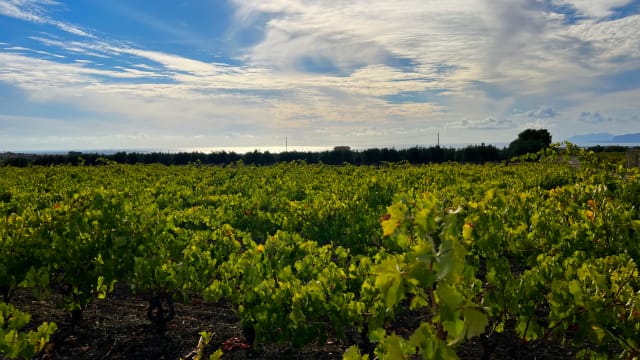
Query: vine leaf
(391, 221)
(475, 322)
(389, 281)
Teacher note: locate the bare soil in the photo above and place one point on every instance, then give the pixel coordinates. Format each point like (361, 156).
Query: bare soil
(117, 328)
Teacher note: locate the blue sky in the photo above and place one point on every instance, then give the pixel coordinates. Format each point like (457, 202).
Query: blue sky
(169, 75)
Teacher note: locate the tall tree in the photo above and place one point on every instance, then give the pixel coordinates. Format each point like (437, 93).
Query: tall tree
(530, 141)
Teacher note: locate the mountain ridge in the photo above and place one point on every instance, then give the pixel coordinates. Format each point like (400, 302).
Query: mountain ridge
(605, 138)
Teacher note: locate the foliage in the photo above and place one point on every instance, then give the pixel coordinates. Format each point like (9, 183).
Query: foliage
(530, 141)
(374, 156)
(304, 252)
(15, 343)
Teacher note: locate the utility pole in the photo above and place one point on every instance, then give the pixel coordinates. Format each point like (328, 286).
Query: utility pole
(438, 139)
(286, 144)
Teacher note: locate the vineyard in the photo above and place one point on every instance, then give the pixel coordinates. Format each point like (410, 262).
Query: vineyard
(390, 262)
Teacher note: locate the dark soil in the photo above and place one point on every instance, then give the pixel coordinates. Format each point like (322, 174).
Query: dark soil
(117, 328)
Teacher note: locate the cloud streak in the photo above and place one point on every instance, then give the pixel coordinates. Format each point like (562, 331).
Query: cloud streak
(34, 11)
(543, 112)
(593, 118)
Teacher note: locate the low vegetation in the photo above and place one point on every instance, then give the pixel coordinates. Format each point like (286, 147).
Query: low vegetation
(388, 261)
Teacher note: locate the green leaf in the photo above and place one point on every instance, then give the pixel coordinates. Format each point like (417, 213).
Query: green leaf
(393, 348)
(377, 335)
(420, 272)
(389, 281)
(396, 215)
(217, 355)
(448, 296)
(418, 301)
(389, 226)
(353, 353)
(450, 259)
(475, 323)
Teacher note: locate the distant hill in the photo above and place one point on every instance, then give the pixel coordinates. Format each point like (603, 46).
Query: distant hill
(604, 138)
(591, 138)
(627, 138)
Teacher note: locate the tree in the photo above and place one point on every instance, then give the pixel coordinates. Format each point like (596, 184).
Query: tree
(530, 141)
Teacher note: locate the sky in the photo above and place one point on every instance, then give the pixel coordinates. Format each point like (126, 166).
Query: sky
(170, 75)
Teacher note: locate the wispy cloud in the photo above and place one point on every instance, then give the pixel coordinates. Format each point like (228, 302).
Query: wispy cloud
(196, 82)
(94, 48)
(507, 43)
(25, 49)
(489, 123)
(593, 118)
(34, 11)
(543, 112)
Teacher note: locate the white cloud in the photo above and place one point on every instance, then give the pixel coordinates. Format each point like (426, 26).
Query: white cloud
(593, 8)
(21, 10)
(593, 118)
(219, 98)
(34, 11)
(174, 62)
(538, 124)
(95, 49)
(609, 45)
(489, 123)
(41, 52)
(144, 66)
(365, 33)
(338, 68)
(17, 48)
(543, 112)
(523, 49)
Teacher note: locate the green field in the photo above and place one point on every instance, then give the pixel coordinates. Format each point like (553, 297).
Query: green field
(309, 252)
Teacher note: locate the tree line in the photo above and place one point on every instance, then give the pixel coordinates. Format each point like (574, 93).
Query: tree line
(528, 141)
